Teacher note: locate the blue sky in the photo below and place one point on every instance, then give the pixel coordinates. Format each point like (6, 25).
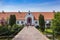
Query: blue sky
(32, 5)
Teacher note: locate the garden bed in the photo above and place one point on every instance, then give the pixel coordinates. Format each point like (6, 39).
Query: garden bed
(8, 32)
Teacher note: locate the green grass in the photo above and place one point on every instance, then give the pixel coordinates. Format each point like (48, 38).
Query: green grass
(49, 31)
(5, 39)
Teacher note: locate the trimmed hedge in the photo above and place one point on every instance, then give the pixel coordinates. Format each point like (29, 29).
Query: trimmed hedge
(8, 30)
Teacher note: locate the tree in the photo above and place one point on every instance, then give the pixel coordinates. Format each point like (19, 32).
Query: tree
(56, 22)
(42, 22)
(12, 20)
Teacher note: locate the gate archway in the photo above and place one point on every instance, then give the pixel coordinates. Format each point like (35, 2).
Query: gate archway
(29, 20)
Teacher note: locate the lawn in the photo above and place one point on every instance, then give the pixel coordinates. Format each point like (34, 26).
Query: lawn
(5, 39)
(50, 32)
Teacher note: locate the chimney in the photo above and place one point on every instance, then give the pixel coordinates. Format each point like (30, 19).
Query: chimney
(19, 11)
(53, 11)
(2, 11)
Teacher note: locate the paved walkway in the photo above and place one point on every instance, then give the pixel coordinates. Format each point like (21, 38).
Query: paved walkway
(30, 33)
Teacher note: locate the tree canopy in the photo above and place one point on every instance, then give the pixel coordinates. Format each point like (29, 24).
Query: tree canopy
(42, 22)
(56, 22)
(12, 20)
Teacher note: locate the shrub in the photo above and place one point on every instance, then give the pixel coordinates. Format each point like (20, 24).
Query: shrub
(8, 30)
(42, 23)
(12, 20)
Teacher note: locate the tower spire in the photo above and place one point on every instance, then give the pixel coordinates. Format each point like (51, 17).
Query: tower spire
(29, 11)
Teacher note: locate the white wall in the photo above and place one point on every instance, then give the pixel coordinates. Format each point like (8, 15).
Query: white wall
(36, 24)
(33, 21)
(25, 21)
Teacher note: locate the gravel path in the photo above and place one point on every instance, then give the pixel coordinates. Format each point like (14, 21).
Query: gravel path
(30, 33)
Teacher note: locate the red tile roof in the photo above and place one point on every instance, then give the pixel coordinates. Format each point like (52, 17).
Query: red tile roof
(21, 15)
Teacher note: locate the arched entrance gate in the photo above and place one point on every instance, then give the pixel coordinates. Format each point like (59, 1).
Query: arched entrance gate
(29, 21)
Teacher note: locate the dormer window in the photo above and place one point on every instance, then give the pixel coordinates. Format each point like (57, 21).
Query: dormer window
(2, 11)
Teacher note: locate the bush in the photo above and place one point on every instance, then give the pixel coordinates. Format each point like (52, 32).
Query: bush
(49, 31)
(42, 22)
(3, 30)
(38, 27)
(12, 20)
(8, 30)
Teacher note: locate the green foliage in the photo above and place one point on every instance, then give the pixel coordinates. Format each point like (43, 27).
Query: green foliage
(3, 30)
(56, 22)
(12, 20)
(42, 22)
(8, 30)
(49, 31)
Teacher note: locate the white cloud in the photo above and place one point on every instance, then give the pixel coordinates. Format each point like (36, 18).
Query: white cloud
(48, 6)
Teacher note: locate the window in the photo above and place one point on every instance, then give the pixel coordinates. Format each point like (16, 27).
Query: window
(36, 22)
(17, 22)
(48, 25)
(22, 22)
